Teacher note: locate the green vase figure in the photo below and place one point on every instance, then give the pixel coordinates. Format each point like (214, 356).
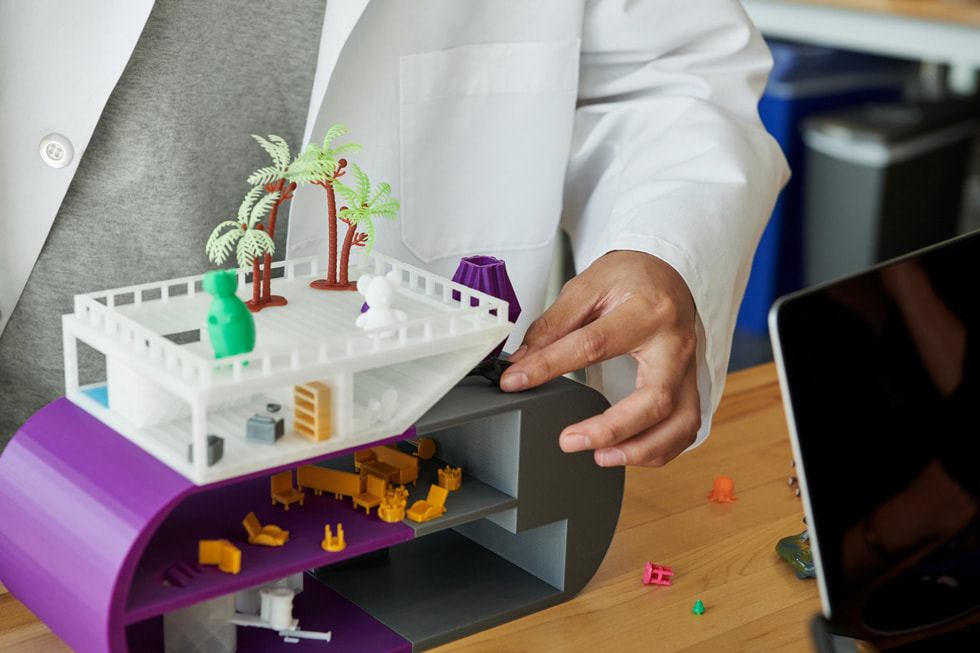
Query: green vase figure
(230, 324)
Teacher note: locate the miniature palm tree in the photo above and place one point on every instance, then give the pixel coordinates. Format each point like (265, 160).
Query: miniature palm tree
(270, 189)
(323, 165)
(367, 205)
(248, 233)
(273, 180)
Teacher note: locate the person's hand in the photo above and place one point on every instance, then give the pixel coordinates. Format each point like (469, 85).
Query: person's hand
(624, 303)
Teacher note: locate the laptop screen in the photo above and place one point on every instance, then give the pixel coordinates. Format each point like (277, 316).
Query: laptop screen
(880, 374)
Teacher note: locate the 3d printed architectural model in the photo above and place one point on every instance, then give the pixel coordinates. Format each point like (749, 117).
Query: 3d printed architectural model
(308, 356)
(121, 524)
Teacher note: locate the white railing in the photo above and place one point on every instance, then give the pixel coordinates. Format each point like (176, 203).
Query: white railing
(98, 310)
(137, 339)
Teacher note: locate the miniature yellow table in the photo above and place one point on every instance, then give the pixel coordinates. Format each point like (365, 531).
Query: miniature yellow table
(721, 554)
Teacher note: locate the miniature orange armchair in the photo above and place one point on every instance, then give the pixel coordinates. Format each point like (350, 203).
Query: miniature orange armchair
(267, 535)
(433, 506)
(372, 496)
(283, 491)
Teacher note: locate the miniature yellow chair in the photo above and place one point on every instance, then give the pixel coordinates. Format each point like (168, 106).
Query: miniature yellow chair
(267, 535)
(433, 506)
(372, 496)
(223, 553)
(283, 491)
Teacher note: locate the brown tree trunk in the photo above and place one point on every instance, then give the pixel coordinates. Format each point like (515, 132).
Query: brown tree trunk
(273, 214)
(267, 277)
(345, 253)
(330, 283)
(331, 234)
(256, 280)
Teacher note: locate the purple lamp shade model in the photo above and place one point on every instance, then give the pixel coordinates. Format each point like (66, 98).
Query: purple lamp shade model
(489, 275)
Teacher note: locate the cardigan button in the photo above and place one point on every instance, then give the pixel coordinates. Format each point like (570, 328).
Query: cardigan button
(56, 150)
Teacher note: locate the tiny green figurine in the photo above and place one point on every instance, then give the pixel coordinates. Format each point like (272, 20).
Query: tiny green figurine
(231, 327)
(698, 607)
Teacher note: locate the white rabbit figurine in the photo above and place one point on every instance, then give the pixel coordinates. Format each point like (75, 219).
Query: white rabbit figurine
(378, 292)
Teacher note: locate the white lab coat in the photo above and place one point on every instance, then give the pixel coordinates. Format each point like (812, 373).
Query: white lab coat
(633, 122)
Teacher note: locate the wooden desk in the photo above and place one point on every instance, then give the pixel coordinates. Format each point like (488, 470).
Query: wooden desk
(722, 554)
(934, 31)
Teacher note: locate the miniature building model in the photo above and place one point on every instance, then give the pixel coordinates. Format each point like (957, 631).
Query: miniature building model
(120, 472)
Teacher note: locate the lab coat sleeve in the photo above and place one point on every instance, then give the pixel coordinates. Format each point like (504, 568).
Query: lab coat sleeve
(669, 157)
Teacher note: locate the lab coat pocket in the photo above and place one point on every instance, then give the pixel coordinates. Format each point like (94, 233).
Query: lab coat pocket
(485, 135)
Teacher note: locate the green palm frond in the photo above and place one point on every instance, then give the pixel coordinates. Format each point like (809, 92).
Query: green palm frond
(313, 153)
(353, 216)
(358, 196)
(383, 190)
(245, 208)
(365, 206)
(265, 175)
(219, 244)
(382, 204)
(318, 163)
(348, 194)
(386, 212)
(368, 228)
(333, 133)
(278, 149)
(347, 148)
(254, 244)
(262, 207)
(281, 155)
(313, 165)
(305, 177)
(363, 183)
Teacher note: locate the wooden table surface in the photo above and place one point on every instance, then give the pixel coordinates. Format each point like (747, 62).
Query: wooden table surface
(722, 554)
(943, 32)
(962, 12)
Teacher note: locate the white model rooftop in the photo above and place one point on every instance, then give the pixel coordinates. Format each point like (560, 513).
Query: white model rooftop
(165, 391)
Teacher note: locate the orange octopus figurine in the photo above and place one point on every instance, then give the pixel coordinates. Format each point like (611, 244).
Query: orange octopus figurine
(723, 490)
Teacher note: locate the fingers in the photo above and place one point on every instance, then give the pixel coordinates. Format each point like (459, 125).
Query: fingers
(621, 301)
(649, 427)
(589, 344)
(571, 309)
(624, 303)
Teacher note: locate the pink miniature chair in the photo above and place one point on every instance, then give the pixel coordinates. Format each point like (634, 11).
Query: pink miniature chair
(657, 574)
